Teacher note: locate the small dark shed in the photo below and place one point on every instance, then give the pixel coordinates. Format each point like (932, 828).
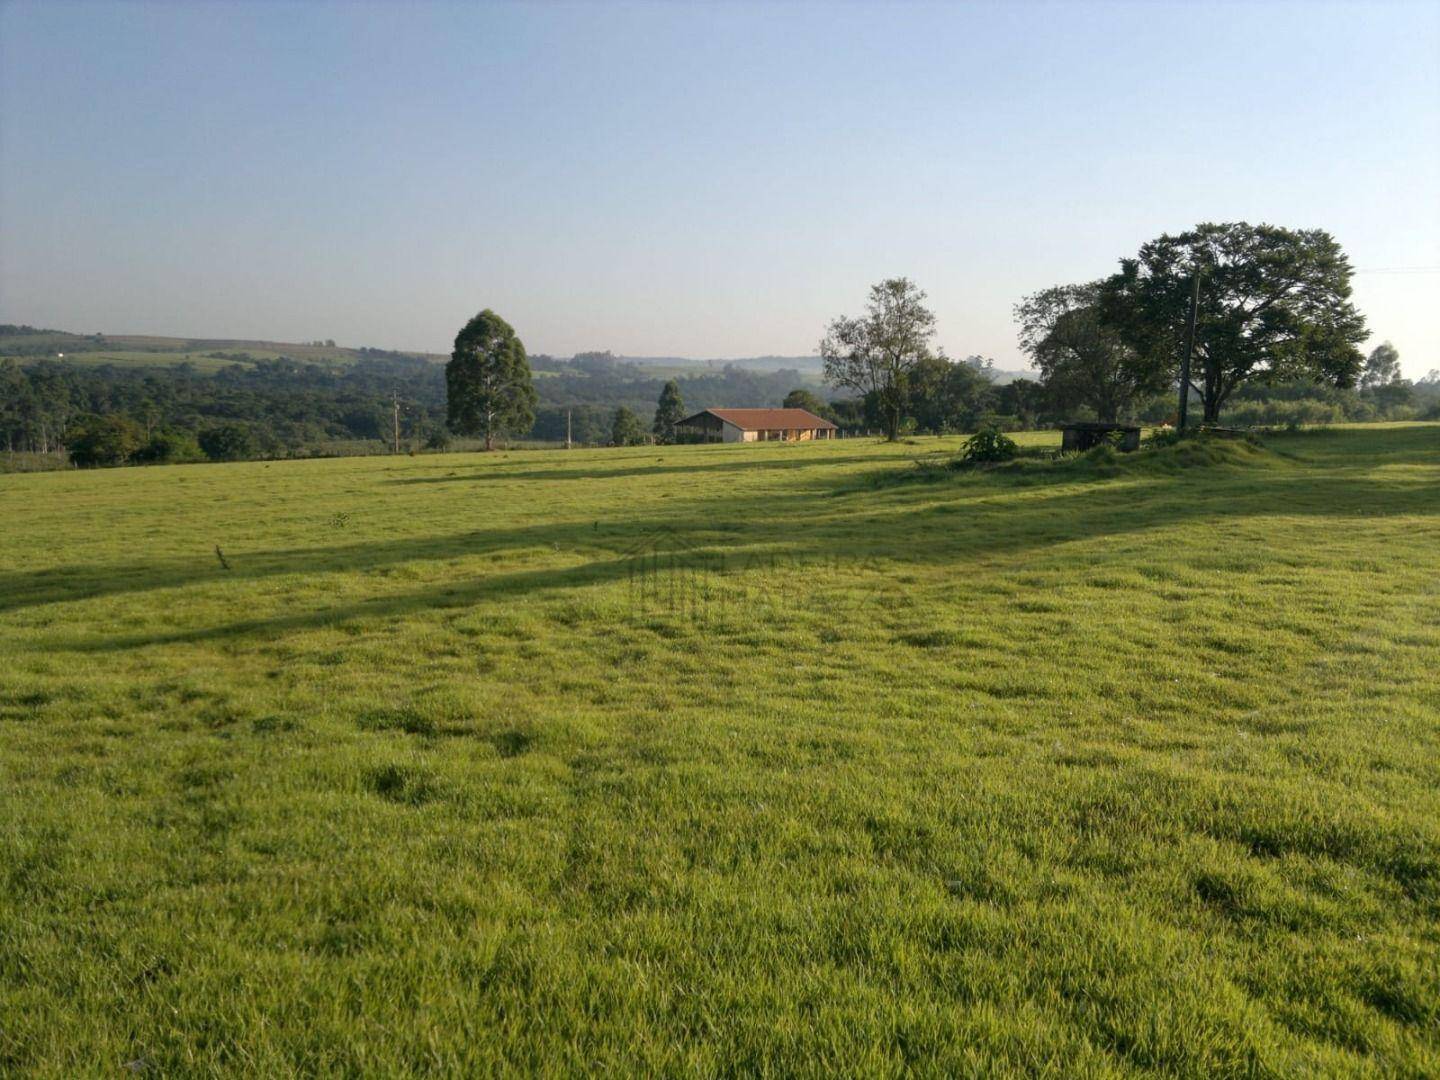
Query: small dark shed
(1083, 434)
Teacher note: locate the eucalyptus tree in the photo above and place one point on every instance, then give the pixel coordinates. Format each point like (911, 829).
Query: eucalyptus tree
(1382, 366)
(669, 411)
(488, 389)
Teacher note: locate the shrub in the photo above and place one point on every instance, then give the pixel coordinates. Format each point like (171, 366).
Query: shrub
(988, 445)
(440, 439)
(1164, 436)
(1001, 422)
(1287, 414)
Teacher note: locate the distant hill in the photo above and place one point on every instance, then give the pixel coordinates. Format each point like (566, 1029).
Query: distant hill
(812, 364)
(24, 343)
(808, 365)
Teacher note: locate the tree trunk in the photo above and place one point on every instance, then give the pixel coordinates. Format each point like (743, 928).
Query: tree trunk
(1213, 401)
(892, 424)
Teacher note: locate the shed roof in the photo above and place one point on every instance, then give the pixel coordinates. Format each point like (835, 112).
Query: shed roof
(767, 419)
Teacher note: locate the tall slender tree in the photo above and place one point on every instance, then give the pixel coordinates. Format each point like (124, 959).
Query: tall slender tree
(488, 389)
(671, 411)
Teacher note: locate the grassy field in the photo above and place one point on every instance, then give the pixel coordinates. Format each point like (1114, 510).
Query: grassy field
(144, 351)
(726, 760)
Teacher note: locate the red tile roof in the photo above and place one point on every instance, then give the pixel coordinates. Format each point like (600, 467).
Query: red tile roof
(769, 419)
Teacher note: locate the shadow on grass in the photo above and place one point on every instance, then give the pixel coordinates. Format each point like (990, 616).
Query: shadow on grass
(973, 517)
(734, 462)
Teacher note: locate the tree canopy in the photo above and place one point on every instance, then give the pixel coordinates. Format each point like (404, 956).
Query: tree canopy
(1382, 367)
(487, 382)
(944, 395)
(1274, 302)
(1082, 356)
(876, 353)
(625, 429)
(800, 398)
(103, 440)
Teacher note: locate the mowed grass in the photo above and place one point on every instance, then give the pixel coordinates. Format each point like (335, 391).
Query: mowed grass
(144, 351)
(785, 760)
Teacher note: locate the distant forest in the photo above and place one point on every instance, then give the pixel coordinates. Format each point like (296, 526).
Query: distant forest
(288, 407)
(256, 407)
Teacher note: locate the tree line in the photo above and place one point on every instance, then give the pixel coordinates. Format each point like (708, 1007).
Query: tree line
(254, 407)
(1215, 310)
(1220, 313)
(1262, 314)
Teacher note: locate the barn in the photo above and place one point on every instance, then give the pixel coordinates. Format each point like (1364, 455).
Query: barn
(754, 425)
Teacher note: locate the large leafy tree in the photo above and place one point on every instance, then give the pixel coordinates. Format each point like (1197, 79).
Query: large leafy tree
(103, 440)
(944, 395)
(1274, 303)
(1083, 358)
(1023, 399)
(488, 390)
(876, 353)
(669, 412)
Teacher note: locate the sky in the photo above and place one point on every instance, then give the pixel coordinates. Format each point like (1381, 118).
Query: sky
(688, 179)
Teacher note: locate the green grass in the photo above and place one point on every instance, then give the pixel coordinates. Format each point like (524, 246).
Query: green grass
(144, 351)
(726, 760)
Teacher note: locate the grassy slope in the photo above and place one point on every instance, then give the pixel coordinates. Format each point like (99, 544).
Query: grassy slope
(1066, 772)
(130, 350)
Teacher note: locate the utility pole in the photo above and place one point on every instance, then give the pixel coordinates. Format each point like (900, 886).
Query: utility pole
(567, 429)
(395, 403)
(1189, 348)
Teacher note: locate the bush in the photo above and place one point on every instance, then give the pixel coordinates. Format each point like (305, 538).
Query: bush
(103, 440)
(988, 445)
(1164, 436)
(1001, 422)
(1287, 414)
(440, 439)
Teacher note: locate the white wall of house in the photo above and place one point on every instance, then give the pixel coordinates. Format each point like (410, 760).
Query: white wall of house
(730, 433)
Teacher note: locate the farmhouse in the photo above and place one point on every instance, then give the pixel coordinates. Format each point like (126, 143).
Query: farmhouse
(753, 425)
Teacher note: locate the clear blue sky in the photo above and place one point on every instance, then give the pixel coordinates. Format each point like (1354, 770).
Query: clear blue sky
(687, 179)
